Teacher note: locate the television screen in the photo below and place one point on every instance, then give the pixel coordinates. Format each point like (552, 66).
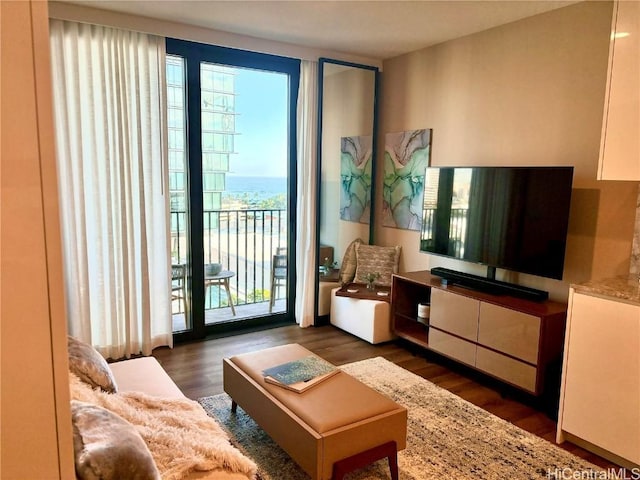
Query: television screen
(514, 218)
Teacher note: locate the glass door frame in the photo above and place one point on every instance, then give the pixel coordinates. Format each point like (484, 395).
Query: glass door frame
(194, 54)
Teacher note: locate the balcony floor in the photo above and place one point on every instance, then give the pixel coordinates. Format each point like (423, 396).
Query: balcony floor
(223, 315)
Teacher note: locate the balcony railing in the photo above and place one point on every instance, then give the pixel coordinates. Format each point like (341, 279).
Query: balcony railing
(455, 235)
(243, 241)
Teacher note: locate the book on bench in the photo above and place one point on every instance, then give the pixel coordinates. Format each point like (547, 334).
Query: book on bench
(301, 374)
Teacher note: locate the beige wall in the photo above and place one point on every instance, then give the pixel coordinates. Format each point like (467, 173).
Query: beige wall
(36, 422)
(527, 93)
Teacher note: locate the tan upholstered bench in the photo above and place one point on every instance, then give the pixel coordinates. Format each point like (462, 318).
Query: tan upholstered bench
(334, 427)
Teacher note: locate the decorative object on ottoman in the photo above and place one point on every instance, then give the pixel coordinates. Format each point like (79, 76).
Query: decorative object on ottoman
(370, 278)
(301, 374)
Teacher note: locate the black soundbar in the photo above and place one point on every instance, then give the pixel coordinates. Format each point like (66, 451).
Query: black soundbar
(488, 285)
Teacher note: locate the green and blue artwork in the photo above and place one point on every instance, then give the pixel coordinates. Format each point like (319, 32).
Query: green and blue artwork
(406, 156)
(355, 178)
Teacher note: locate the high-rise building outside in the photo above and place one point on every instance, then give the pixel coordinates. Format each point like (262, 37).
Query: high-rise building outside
(217, 90)
(218, 130)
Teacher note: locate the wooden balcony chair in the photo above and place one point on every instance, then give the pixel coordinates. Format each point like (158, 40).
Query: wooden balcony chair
(178, 283)
(278, 274)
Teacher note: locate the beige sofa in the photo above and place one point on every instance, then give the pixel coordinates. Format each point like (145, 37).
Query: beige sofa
(131, 421)
(147, 375)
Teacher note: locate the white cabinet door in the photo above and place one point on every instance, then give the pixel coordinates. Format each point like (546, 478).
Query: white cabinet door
(600, 400)
(620, 140)
(454, 313)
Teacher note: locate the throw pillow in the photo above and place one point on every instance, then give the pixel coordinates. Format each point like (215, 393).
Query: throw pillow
(349, 263)
(374, 259)
(87, 363)
(107, 447)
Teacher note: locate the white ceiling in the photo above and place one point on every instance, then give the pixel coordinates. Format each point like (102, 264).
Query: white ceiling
(375, 29)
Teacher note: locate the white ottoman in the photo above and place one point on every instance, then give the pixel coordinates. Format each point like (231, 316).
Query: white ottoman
(325, 290)
(367, 319)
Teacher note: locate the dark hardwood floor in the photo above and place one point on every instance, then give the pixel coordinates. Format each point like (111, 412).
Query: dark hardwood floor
(197, 370)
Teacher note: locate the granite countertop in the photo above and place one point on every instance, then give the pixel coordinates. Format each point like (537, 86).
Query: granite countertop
(623, 288)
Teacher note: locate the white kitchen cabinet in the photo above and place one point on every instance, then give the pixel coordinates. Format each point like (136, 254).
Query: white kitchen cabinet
(620, 139)
(600, 393)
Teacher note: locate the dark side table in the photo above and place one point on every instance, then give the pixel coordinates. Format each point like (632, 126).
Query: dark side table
(360, 290)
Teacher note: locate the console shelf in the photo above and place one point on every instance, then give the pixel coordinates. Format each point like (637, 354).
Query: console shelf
(512, 339)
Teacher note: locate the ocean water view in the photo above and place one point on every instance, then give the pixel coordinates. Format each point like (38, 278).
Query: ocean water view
(259, 188)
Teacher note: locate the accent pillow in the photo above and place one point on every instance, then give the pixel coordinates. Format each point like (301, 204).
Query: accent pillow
(375, 259)
(87, 363)
(349, 263)
(107, 447)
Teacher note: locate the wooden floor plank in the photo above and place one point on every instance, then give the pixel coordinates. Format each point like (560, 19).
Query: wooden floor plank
(196, 368)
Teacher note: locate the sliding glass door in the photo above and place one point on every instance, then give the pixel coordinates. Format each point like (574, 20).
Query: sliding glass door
(231, 139)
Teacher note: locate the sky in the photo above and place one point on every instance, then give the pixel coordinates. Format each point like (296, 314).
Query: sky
(261, 143)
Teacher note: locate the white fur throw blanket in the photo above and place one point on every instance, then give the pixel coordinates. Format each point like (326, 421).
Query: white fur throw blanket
(181, 436)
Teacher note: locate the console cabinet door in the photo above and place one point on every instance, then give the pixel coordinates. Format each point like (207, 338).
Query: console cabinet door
(509, 331)
(453, 347)
(506, 368)
(455, 314)
(600, 399)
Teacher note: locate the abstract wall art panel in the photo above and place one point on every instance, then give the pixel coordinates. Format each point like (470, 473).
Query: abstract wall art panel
(355, 178)
(406, 156)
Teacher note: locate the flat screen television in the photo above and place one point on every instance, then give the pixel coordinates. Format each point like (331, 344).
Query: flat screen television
(514, 218)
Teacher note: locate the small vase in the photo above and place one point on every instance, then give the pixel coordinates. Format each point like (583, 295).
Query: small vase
(371, 286)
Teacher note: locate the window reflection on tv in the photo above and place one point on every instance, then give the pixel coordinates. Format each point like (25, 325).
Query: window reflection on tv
(514, 218)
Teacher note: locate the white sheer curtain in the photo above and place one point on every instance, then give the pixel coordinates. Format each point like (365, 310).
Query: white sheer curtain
(109, 94)
(307, 185)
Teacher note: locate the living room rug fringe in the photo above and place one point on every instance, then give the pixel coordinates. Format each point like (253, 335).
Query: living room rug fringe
(447, 437)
